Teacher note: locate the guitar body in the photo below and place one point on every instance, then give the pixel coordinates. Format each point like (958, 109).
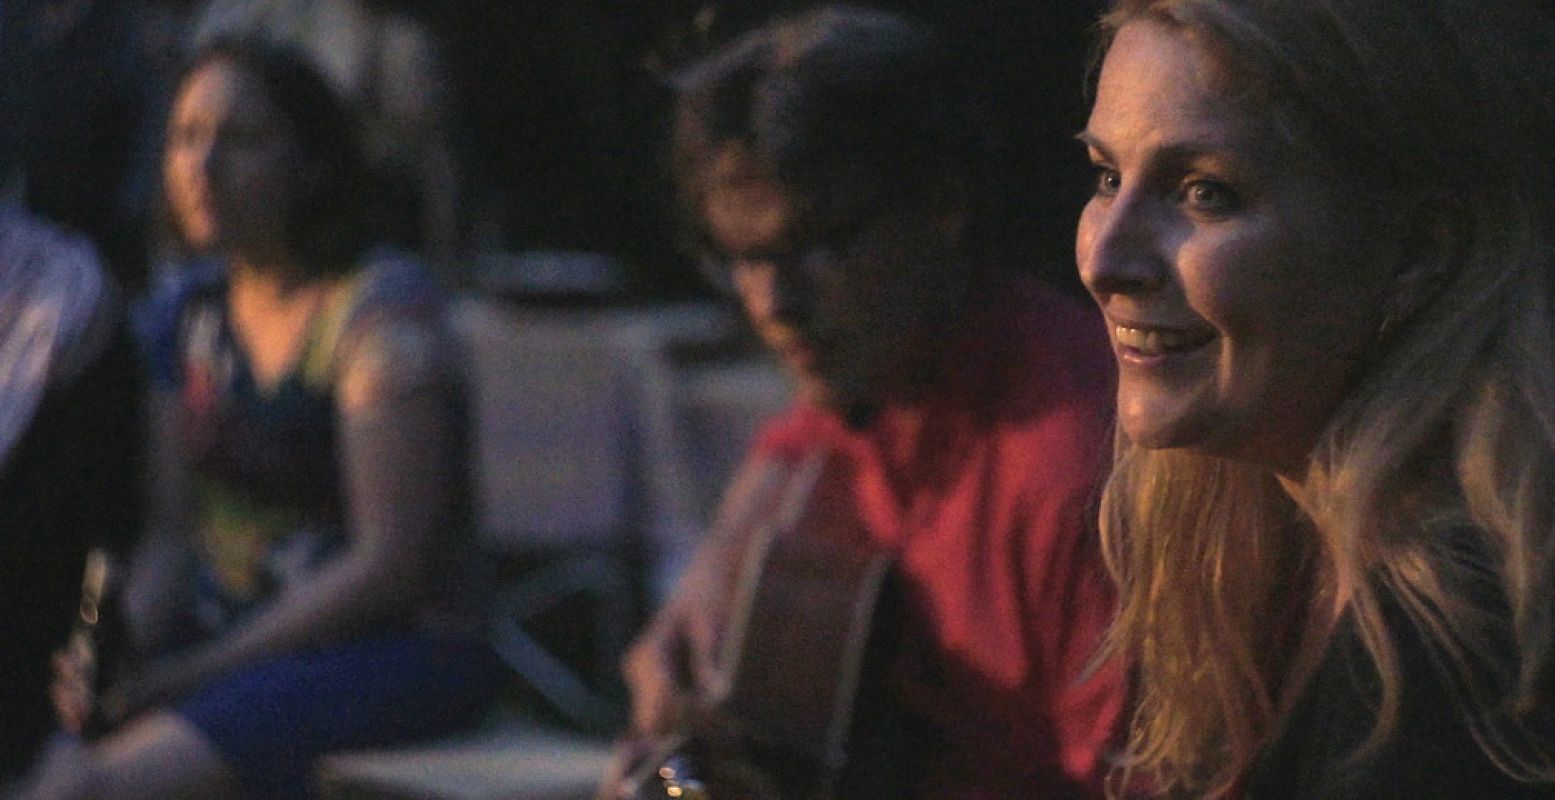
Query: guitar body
(807, 623)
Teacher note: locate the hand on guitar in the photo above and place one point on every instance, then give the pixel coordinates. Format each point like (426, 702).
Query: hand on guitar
(663, 672)
(673, 664)
(746, 681)
(695, 768)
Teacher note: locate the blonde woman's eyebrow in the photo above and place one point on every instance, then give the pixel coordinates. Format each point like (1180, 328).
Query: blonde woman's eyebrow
(1180, 154)
(1090, 140)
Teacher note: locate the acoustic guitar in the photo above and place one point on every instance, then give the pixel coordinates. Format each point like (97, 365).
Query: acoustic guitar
(808, 618)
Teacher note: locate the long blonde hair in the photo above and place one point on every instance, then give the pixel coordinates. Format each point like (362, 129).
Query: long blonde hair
(1432, 489)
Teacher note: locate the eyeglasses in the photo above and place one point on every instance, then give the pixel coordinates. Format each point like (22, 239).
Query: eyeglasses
(810, 263)
(817, 259)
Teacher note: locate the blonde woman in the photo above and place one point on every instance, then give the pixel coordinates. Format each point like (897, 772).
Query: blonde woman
(1322, 238)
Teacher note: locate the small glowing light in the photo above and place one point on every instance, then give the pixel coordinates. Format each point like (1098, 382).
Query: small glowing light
(673, 791)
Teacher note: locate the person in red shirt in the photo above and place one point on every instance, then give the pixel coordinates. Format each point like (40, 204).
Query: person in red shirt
(834, 175)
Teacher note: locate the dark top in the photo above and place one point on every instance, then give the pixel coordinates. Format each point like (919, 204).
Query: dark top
(1432, 755)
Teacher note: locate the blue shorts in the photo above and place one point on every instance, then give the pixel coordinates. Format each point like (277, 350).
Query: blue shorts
(272, 721)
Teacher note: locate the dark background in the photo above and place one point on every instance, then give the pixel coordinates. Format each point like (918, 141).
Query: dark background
(566, 110)
(559, 108)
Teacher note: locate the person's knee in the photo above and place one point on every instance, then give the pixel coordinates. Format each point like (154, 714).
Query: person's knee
(66, 771)
(161, 757)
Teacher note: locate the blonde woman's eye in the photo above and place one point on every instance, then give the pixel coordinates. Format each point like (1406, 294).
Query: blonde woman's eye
(1210, 197)
(1108, 181)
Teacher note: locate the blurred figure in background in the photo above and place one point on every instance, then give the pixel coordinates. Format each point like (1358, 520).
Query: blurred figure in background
(838, 181)
(69, 436)
(306, 582)
(388, 66)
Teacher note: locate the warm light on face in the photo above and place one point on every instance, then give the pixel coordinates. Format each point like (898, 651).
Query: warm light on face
(228, 163)
(1240, 276)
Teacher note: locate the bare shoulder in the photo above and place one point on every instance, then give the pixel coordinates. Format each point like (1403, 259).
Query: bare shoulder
(395, 354)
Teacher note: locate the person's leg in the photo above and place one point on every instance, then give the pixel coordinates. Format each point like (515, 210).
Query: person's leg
(263, 727)
(159, 757)
(272, 720)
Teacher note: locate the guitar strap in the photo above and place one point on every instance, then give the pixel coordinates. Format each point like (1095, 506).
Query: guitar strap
(785, 515)
(800, 622)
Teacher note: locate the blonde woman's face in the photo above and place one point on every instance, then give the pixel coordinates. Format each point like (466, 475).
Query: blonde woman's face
(229, 165)
(1241, 276)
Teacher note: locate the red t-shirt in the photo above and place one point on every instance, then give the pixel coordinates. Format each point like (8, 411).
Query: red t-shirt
(986, 491)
